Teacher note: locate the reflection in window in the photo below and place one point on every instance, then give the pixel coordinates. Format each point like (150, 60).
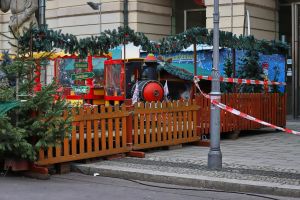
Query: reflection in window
(98, 69)
(114, 80)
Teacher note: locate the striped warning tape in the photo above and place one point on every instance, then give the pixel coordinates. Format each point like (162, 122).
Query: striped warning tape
(243, 81)
(241, 114)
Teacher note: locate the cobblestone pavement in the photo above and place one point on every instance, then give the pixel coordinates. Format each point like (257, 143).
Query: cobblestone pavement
(259, 157)
(260, 149)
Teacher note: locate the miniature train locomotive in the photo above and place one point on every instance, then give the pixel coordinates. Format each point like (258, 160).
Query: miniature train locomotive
(102, 80)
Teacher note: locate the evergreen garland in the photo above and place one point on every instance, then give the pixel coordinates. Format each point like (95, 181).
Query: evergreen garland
(175, 71)
(44, 39)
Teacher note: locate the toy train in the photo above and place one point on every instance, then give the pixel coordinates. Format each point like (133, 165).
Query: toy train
(102, 80)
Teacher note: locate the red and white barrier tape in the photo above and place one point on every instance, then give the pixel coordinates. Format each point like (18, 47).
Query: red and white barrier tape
(241, 114)
(243, 81)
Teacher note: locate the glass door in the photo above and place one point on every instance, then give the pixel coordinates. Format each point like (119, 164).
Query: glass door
(289, 28)
(295, 59)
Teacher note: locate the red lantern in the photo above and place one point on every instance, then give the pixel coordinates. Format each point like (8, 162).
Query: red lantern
(199, 2)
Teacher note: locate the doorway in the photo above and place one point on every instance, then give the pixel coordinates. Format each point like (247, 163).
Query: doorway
(289, 28)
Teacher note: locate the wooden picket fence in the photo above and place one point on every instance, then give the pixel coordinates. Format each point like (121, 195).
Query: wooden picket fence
(269, 107)
(112, 130)
(94, 134)
(164, 124)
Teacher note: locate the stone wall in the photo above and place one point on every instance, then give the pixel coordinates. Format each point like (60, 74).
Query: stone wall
(78, 18)
(152, 17)
(263, 16)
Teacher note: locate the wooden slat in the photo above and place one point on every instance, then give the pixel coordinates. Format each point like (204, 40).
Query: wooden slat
(194, 122)
(96, 131)
(275, 107)
(159, 125)
(201, 115)
(228, 116)
(103, 130)
(124, 128)
(117, 128)
(73, 135)
(180, 121)
(153, 123)
(248, 110)
(41, 154)
(50, 153)
(89, 131)
(175, 123)
(190, 121)
(58, 151)
(185, 124)
(270, 109)
(147, 106)
(110, 129)
(278, 110)
(66, 147)
(79, 118)
(80, 156)
(237, 125)
(136, 126)
(74, 140)
(142, 125)
(81, 132)
(166, 123)
(175, 109)
(207, 115)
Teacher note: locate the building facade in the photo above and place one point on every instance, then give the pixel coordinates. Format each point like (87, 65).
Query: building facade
(267, 19)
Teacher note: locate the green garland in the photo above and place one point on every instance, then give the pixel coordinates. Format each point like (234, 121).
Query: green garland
(44, 39)
(175, 71)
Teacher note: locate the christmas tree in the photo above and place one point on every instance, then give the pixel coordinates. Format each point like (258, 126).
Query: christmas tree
(228, 71)
(250, 69)
(30, 120)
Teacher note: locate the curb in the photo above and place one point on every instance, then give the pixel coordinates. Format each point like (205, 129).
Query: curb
(232, 185)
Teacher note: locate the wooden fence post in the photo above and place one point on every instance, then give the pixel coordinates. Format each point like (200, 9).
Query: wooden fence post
(197, 99)
(202, 141)
(129, 121)
(129, 128)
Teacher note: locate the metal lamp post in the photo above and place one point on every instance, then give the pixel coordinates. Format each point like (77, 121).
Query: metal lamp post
(97, 6)
(215, 155)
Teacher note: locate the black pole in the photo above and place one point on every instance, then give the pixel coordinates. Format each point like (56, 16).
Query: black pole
(125, 13)
(42, 12)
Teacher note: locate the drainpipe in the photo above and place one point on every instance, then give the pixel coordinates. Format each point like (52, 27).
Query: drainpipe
(248, 23)
(42, 23)
(125, 22)
(125, 13)
(42, 12)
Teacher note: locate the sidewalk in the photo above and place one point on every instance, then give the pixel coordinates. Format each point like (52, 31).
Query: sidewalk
(260, 161)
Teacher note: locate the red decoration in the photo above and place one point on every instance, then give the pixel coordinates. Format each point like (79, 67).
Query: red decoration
(37, 80)
(153, 92)
(199, 2)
